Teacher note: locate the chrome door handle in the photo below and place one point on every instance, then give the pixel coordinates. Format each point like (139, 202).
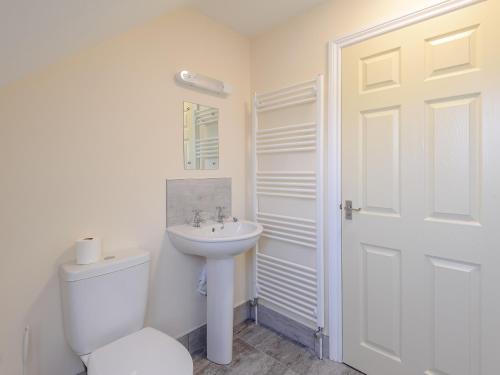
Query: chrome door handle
(349, 209)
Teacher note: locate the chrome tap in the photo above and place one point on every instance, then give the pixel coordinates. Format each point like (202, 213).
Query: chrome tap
(197, 220)
(220, 214)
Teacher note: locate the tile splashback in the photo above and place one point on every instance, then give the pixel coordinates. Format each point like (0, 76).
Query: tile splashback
(185, 195)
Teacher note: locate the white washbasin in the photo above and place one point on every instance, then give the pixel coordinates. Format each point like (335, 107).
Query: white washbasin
(219, 243)
(214, 240)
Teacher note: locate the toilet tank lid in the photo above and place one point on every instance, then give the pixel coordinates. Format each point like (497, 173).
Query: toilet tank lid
(111, 262)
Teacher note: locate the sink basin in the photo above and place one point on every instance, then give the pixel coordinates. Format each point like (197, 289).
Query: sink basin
(215, 240)
(218, 243)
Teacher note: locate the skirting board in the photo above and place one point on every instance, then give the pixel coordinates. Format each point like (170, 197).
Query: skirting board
(291, 329)
(196, 340)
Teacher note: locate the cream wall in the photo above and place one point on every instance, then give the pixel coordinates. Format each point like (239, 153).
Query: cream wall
(85, 148)
(297, 50)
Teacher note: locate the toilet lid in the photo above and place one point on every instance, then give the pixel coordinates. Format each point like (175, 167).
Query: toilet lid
(146, 352)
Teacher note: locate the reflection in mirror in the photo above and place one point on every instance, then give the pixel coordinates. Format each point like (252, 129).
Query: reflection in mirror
(201, 136)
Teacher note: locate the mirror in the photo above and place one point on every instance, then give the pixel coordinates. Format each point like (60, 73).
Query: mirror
(201, 136)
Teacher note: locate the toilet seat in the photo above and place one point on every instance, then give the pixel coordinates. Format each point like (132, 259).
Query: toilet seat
(146, 352)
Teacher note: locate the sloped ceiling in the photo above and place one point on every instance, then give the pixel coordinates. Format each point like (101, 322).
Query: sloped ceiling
(35, 33)
(251, 17)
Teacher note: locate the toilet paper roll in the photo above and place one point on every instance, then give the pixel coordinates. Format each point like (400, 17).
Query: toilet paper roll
(88, 250)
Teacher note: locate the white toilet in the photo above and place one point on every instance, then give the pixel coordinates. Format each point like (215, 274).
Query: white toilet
(104, 306)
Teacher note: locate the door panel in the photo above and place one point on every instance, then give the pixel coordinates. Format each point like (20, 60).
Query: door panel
(453, 158)
(421, 159)
(451, 53)
(380, 71)
(454, 288)
(379, 140)
(381, 300)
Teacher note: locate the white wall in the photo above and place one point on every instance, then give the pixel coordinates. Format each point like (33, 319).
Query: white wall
(296, 50)
(85, 148)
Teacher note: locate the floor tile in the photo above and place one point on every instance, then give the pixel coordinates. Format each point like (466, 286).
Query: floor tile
(246, 360)
(239, 328)
(260, 351)
(293, 355)
(327, 367)
(254, 334)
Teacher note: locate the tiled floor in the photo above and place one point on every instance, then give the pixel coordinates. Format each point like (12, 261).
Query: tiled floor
(260, 351)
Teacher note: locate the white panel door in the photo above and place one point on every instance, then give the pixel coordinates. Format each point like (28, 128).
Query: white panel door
(421, 159)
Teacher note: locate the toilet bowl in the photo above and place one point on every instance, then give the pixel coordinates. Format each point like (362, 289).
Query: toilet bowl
(104, 306)
(148, 352)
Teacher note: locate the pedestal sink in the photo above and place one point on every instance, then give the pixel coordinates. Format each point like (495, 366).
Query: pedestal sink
(219, 243)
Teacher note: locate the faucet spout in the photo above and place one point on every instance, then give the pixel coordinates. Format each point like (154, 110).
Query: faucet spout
(220, 214)
(197, 220)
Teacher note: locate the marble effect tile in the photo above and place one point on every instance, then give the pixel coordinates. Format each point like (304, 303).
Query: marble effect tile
(291, 329)
(184, 340)
(246, 360)
(260, 351)
(198, 339)
(295, 356)
(185, 195)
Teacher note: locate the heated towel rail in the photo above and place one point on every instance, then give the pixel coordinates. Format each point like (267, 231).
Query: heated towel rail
(288, 201)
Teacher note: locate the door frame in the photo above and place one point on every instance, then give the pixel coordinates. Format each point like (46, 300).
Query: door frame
(334, 170)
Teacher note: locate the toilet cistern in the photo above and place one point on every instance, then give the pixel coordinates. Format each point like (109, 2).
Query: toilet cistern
(104, 306)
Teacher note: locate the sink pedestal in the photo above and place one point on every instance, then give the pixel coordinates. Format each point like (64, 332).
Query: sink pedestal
(219, 244)
(220, 296)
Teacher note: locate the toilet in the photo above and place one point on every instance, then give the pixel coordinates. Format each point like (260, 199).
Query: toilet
(104, 306)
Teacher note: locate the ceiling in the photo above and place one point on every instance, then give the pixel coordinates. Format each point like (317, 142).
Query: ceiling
(36, 33)
(251, 17)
